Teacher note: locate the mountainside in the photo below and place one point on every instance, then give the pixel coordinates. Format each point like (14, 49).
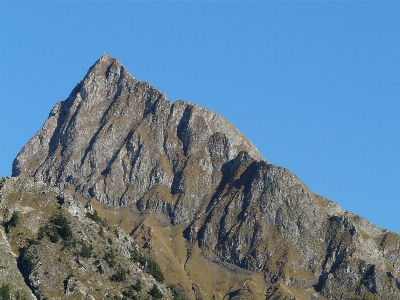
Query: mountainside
(198, 198)
(57, 249)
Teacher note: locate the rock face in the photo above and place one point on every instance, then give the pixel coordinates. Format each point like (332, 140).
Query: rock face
(121, 142)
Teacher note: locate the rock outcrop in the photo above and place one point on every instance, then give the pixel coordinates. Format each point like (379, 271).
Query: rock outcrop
(59, 250)
(121, 142)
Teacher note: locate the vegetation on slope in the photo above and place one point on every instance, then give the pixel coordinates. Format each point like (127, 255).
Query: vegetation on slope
(62, 255)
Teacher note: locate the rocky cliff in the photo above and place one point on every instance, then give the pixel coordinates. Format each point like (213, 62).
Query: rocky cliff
(213, 204)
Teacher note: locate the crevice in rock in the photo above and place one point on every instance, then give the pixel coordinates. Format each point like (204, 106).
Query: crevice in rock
(183, 130)
(25, 271)
(150, 106)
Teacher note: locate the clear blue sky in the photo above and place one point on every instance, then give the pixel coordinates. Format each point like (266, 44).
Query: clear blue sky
(314, 85)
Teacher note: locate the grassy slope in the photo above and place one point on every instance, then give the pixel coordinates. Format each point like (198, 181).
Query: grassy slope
(58, 270)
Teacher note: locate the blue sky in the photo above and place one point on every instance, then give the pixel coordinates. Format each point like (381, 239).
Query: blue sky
(314, 85)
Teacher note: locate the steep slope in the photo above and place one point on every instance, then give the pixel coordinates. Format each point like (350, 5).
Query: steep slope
(267, 220)
(56, 251)
(199, 198)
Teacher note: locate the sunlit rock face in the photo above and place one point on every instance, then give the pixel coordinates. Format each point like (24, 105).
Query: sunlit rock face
(121, 142)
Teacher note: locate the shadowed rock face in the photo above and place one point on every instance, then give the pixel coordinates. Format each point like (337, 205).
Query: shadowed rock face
(122, 142)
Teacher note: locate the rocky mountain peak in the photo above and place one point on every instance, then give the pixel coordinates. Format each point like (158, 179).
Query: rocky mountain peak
(107, 74)
(121, 141)
(208, 194)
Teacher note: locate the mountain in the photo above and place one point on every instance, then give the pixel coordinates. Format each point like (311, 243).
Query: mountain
(199, 199)
(121, 141)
